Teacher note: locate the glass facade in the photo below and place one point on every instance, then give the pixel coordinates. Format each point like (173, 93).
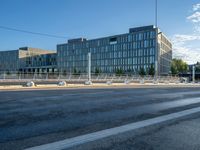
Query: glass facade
(40, 63)
(130, 52)
(9, 61)
(140, 49)
(28, 59)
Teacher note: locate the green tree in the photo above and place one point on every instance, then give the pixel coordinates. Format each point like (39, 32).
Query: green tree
(97, 71)
(64, 72)
(151, 70)
(178, 66)
(74, 71)
(119, 72)
(79, 72)
(198, 67)
(142, 72)
(8, 72)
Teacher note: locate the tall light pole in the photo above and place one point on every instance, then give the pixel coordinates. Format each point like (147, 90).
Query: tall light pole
(89, 66)
(193, 73)
(89, 82)
(156, 44)
(156, 13)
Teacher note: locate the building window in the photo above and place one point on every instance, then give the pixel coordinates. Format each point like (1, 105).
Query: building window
(113, 40)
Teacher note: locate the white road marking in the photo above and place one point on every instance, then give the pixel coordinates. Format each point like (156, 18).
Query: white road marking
(71, 142)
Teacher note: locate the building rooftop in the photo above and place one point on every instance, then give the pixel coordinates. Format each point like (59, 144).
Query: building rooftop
(131, 30)
(137, 29)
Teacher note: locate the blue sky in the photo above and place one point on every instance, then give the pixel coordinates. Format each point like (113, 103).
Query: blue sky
(178, 19)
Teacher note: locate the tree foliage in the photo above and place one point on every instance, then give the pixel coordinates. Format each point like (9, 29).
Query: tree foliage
(198, 67)
(119, 72)
(76, 72)
(151, 70)
(142, 72)
(97, 71)
(178, 66)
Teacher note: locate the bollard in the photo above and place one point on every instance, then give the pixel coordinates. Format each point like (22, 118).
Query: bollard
(142, 81)
(88, 82)
(155, 82)
(30, 84)
(126, 82)
(109, 83)
(62, 83)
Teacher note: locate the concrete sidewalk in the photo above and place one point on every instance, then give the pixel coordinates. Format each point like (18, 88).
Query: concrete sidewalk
(99, 85)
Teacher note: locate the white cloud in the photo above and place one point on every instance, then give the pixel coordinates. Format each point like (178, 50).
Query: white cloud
(196, 7)
(191, 56)
(185, 38)
(195, 17)
(183, 44)
(183, 49)
(188, 55)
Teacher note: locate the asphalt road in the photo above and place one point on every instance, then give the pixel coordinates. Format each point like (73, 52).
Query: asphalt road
(31, 118)
(179, 135)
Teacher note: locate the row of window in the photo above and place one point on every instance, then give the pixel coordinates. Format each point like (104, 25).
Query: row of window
(118, 47)
(110, 69)
(167, 42)
(130, 37)
(111, 55)
(110, 62)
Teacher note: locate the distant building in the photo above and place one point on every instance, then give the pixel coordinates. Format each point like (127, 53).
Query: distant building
(141, 48)
(9, 60)
(189, 74)
(28, 59)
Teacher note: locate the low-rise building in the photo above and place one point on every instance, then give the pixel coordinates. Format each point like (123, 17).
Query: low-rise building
(9, 60)
(28, 59)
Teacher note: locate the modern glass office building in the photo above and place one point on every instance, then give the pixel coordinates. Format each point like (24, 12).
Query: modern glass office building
(141, 48)
(28, 59)
(9, 60)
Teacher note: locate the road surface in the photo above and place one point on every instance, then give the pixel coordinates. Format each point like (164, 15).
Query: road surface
(34, 117)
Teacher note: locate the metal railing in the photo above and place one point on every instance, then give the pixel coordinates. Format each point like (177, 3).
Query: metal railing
(15, 76)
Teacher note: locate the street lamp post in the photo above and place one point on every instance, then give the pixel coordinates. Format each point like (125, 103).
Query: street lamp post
(193, 73)
(89, 82)
(89, 67)
(156, 13)
(156, 44)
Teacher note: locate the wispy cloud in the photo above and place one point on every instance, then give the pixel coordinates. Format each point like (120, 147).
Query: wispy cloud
(182, 43)
(196, 7)
(191, 56)
(195, 17)
(182, 49)
(184, 38)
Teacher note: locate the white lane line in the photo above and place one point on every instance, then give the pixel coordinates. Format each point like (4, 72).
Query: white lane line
(71, 142)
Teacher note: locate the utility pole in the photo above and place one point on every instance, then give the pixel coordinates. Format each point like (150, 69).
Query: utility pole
(156, 13)
(89, 67)
(193, 73)
(89, 82)
(156, 44)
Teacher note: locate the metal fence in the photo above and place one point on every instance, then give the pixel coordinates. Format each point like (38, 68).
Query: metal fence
(13, 76)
